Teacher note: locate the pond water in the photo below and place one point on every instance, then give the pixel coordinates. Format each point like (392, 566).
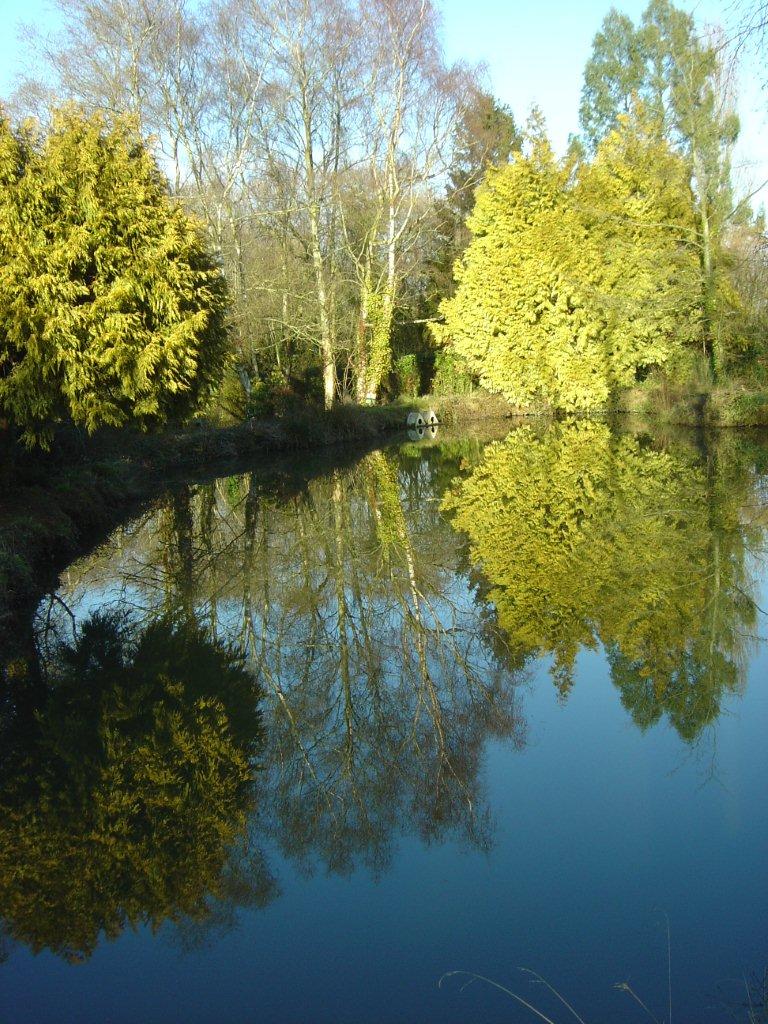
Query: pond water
(513, 710)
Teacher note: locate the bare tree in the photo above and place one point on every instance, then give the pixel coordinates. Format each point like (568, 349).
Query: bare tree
(413, 104)
(311, 136)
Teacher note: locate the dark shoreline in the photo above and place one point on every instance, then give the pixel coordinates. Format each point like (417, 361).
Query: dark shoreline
(59, 505)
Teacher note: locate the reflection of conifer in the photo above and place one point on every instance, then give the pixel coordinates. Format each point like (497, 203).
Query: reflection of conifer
(563, 678)
(129, 787)
(350, 600)
(587, 538)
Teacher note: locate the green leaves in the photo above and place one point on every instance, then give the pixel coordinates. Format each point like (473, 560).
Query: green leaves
(573, 284)
(664, 63)
(613, 75)
(681, 79)
(111, 309)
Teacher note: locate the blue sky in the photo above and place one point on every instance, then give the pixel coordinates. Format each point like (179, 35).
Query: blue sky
(535, 53)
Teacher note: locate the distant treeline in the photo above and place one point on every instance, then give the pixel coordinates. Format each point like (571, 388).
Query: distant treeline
(630, 257)
(331, 158)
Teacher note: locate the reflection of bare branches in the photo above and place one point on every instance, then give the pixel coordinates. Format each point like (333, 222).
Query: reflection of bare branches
(352, 610)
(49, 632)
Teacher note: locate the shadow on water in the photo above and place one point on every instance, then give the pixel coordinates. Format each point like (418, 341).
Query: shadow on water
(320, 667)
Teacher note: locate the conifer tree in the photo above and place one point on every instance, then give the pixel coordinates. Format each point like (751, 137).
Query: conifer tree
(638, 210)
(574, 284)
(111, 309)
(684, 79)
(518, 319)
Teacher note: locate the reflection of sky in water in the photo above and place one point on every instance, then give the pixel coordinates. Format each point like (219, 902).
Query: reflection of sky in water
(599, 831)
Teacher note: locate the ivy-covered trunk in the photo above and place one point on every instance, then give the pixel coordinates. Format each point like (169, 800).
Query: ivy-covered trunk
(374, 349)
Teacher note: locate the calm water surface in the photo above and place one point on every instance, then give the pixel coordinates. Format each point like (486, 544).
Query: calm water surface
(513, 714)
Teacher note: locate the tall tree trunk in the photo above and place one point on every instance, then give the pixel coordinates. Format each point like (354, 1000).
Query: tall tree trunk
(363, 328)
(705, 232)
(326, 341)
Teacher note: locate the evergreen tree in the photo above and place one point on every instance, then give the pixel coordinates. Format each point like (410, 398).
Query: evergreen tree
(111, 309)
(485, 135)
(575, 284)
(683, 82)
(637, 207)
(613, 75)
(516, 319)
(125, 790)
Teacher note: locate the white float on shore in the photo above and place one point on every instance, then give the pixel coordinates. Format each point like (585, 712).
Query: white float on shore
(422, 419)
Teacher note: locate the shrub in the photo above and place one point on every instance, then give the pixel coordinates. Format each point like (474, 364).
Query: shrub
(112, 311)
(408, 376)
(452, 376)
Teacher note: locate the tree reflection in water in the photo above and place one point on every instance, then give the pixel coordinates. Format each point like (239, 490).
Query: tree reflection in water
(350, 608)
(387, 613)
(126, 785)
(586, 537)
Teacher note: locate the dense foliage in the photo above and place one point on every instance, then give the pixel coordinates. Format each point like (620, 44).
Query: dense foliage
(312, 137)
(111, 309)
(685, 78)
(334, 181)
(631, 255)
(576, 282)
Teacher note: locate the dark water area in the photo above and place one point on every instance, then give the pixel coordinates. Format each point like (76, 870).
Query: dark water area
(463, 706)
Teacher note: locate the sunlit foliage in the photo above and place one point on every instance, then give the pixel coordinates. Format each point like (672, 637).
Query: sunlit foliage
(685, 77)
(636, 205)
(575, 284)
(111, 310)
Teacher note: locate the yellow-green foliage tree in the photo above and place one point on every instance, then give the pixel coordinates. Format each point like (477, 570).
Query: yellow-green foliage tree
(574, 283)
(585, 538)
(518, 318)
(126, 787)
(112, 311)
(681, 74)
(636, 204)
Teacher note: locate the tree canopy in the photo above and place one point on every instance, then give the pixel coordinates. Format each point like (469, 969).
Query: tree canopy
(577, 280)
(111, 309)
(682, 78)
(334, 181)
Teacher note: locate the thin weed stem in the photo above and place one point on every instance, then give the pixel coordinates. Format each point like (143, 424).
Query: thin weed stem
(669, 965)
(626, 987)
(554, 991)
(489, 981)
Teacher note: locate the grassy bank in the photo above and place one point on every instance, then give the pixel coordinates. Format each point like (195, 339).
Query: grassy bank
(728, 405)
(56, 506)
(299, 429)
